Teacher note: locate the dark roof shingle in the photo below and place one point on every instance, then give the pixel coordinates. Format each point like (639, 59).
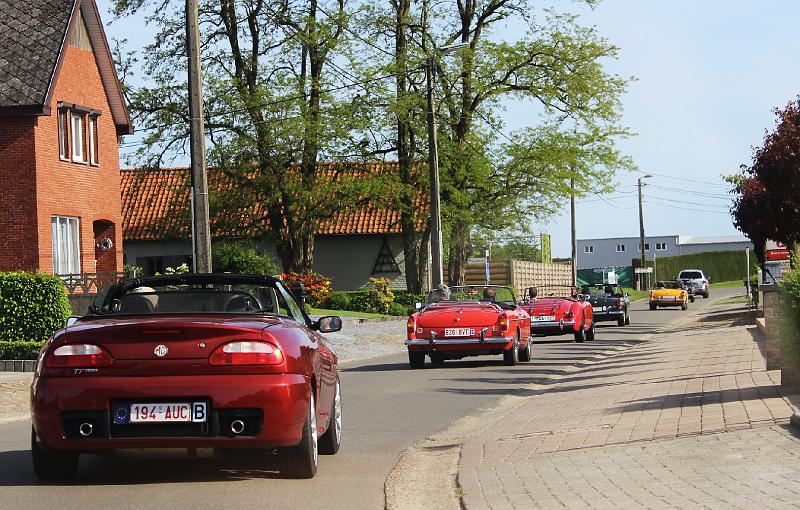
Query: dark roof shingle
(31, 36)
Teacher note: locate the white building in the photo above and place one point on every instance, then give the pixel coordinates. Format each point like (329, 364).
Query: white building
(620, 251)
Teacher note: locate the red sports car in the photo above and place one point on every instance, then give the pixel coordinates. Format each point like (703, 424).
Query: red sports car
(553, 315)
(469, 321)
(189, 361)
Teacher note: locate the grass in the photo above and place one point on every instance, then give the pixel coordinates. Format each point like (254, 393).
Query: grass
(636, 295)
(347, 313)
(724, 285)
(733, 301)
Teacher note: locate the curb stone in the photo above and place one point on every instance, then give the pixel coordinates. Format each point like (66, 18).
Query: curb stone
(794, 421)
(18, 365)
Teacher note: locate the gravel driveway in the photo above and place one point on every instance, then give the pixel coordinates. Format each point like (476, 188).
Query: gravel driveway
(367, 338)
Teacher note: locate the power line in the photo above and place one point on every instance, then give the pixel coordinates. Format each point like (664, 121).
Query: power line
(672, 200)
(691, 209)
(690, 192)
(666, 176)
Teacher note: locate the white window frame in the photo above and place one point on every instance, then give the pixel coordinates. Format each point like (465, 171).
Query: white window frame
(66, 231)
(77, 137)
(661, 246)
(588, 248)
(94, 147)
(63, 134)
(620, 248)
(646, 247)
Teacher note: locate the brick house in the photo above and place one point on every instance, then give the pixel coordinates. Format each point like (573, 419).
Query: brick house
(62, 111)
(350, 247)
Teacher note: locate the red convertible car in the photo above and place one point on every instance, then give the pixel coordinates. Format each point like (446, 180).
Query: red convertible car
(189, 361)
(469, 321)
(553, 315)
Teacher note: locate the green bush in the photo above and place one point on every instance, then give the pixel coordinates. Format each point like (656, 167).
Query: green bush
(338, 300)
(407, 298)
(241, 259)
(32, 306)
(400, 309)
(789, 322)
(20, 350)
(719, 266)
(379, 295)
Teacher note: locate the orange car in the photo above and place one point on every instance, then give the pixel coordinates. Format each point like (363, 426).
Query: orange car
(669, 294)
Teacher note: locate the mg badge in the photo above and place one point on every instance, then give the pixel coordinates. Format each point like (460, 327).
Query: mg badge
(161, 351)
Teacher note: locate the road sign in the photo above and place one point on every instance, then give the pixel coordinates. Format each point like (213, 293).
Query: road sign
(777, 251)
(643, 270)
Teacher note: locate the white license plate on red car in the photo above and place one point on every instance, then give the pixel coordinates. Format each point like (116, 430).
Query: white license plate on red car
(543, 318)
(459, 332)
(166, 412)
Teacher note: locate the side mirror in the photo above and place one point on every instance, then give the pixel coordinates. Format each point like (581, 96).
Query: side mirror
(72, 320)
(418, 306)
(328, 324)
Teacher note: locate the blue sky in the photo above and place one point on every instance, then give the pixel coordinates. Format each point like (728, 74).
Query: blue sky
(708, 75)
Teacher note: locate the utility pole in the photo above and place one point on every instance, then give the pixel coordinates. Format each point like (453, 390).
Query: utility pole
(433, 169)
(641, 231)
(574, 235)
(201, 231)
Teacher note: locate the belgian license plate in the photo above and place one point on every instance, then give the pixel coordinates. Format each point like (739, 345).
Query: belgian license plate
(158, 412)
(599, 308)
(459, 332)
(543, 318)
(668, 298)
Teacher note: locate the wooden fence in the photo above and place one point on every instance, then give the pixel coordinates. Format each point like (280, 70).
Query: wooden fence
(550, 278)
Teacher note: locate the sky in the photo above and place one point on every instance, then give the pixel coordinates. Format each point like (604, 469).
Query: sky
(708, 75)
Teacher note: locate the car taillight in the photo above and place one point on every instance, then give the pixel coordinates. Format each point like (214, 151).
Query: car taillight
(411, 327)
(246, 353)
(80, 355)
(705, 282)
(619, 303)
(568, 315)
(503, 323)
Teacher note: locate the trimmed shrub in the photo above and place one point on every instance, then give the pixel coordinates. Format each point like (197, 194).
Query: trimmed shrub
(789, 322)
(719, 266)
(400, 309)
(32, 306)
(20, 350)
(241, 259)
(338, 300)
(379, 295)
(407, 298)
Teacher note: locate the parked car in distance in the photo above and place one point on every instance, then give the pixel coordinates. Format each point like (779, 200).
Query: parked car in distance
(470, 320)
(555, 315)
(609, 303)
(217, 361)
(697, 279)
(669, 293)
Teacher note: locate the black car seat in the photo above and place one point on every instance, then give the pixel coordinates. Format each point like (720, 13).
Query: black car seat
(136, 303)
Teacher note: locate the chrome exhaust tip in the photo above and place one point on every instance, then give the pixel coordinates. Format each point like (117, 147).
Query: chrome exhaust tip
(237, 426)
(86, 429)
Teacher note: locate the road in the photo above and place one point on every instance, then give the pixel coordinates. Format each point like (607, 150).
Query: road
(387, 407)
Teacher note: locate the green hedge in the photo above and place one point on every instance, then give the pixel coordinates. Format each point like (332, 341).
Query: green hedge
(20, 350)
(32, 306)
(789, 322)
(719, 266)
(363, 301)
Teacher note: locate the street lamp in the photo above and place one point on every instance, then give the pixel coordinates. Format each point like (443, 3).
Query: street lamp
(641, 228)
(433, 164)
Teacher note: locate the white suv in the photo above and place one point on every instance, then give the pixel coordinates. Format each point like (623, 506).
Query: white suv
(697, 279)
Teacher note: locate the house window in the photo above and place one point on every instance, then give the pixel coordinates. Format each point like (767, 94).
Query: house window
(66, 245)
(63, 134)
(620, 248)
(77, 137)
(661, 246)
(646, 247)
(93, 144)
(588, 249)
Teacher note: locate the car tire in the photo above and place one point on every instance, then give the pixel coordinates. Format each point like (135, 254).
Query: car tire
(590, 333)
(705, 296)
(51, 465)
(527, 353)
(653, 307)
(684, 307)
(627, 319)
(511, 356)
(416, 359)
(331, 440)
(437, 358)
(622, 321)
(580, 335)
(301, 461)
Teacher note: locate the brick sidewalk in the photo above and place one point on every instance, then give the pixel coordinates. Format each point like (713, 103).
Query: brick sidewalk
(688, 418)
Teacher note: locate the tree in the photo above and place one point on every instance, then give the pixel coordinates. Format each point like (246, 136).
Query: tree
(557, 64)
(275, 105)
(752, 212)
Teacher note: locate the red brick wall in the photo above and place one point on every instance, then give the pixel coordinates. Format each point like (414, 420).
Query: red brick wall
(73, 189)
(18, 231)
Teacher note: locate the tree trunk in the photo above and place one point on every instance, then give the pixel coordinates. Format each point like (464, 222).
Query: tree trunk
(459, 242)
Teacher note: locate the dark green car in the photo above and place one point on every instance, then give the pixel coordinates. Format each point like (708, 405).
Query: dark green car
(609, 303)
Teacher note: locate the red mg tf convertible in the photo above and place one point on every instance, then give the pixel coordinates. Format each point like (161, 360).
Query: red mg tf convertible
(469, 321)
(553, 315)
(189, 361)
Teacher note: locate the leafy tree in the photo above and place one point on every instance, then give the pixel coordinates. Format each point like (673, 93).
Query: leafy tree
(276, 104)
(241, 258)
(751, 212)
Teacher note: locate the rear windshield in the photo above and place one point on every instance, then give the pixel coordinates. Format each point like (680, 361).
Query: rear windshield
(691, 274)
(473, 293)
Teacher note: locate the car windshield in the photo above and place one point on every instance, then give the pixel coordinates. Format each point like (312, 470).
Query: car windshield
(691, 274)
(199, 294)
(474, 293)
(672, 285)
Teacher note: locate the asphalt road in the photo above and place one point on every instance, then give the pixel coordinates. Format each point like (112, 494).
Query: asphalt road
(386, 408)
